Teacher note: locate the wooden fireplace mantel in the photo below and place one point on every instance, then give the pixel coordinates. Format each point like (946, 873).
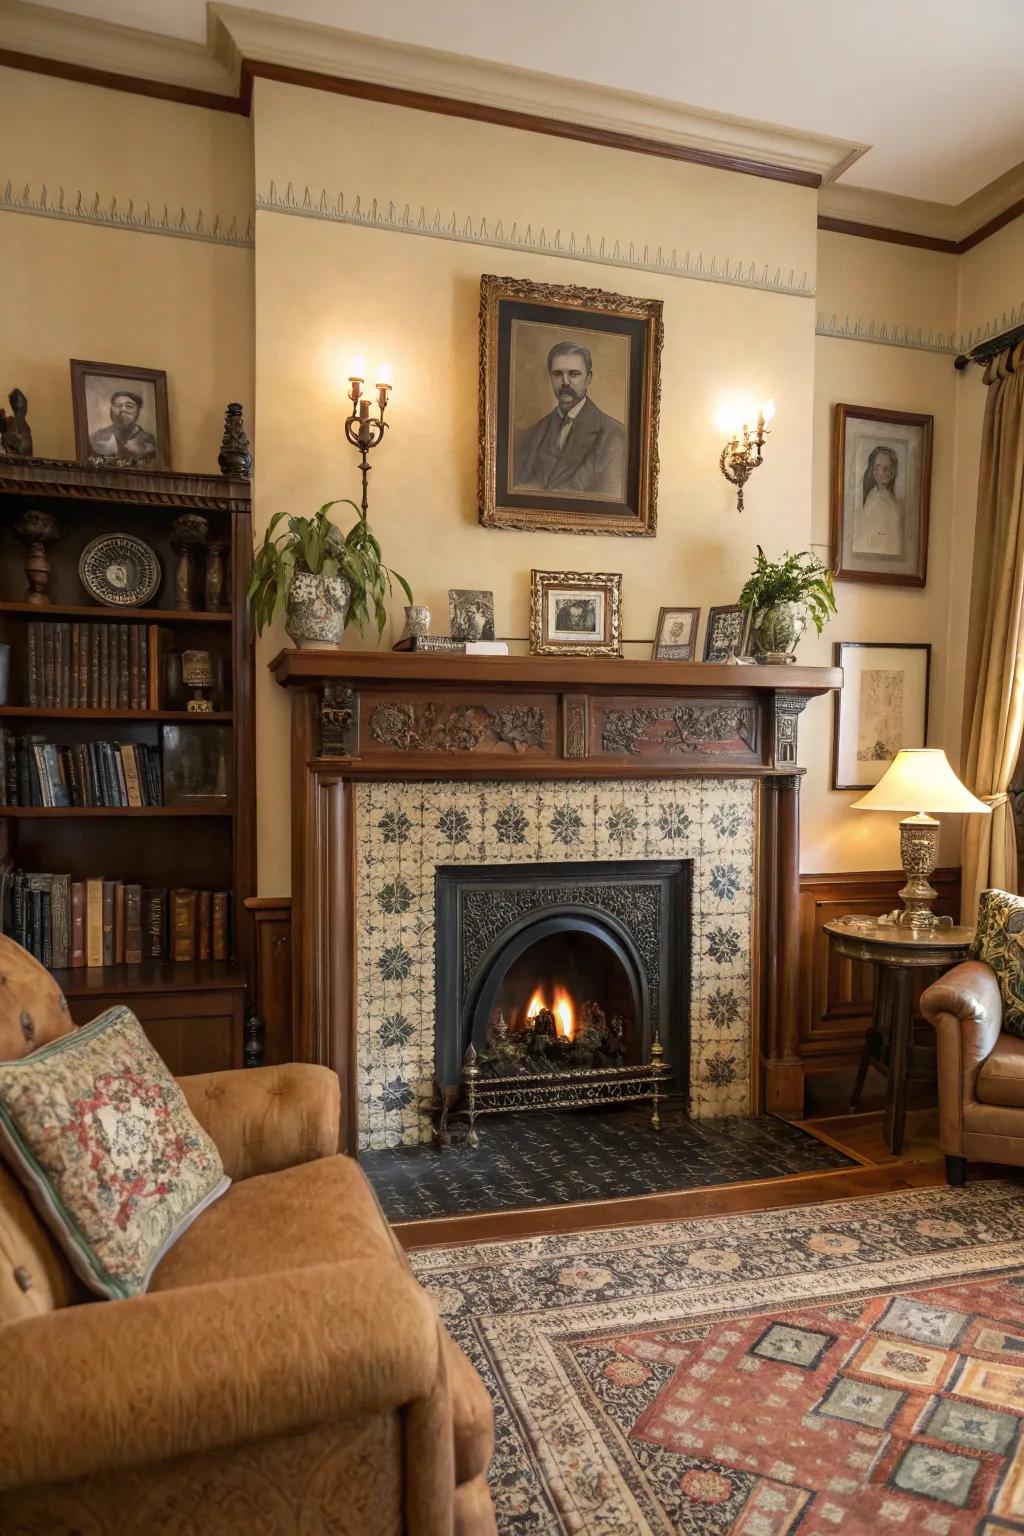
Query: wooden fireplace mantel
(384, 715)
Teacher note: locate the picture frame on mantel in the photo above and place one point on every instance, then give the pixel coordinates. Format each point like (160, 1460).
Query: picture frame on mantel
(570, 389)
(120, 414)
(575, 613)
(881, 495)
(881, 707)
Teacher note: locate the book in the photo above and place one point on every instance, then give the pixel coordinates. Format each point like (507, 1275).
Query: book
(104, 666)
(49, 694)
(133, 924)
(94, 665)
(431, 643)
(76, 938)
(221, 925)
(123, 667)
(130, 766)
(35, 665)
(183, 904)
(41, 791)
(204, 925)
(119, 922)
(154, 924)
(65, 665)
(134, 650)
(486, 647)
(60, 914)
(94, 922)
(56, 789)
(109, 890)
(144, 668)
(75, 664)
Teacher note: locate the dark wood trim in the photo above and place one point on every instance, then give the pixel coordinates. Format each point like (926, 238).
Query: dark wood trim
(993, 226)
(135, 85)
(269, 903)
(448, 106)
(889, 236)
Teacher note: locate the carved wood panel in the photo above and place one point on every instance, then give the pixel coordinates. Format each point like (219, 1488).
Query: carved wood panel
(517, 725)
(677, 730)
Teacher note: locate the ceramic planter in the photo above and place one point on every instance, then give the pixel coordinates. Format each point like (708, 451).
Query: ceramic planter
(775, 632)
(317, 609)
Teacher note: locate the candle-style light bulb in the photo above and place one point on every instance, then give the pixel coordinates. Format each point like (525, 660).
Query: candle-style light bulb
(357, 370)
(768, 411)
(385, 376)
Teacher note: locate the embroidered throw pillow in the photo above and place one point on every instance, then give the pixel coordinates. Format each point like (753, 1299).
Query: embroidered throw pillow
(108, 1149)
(999, 941)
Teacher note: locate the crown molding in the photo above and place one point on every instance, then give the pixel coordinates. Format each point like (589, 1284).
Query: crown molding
(943, 227)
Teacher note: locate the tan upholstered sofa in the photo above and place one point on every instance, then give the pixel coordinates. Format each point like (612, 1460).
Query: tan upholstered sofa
(284, 1374)
(981, 1070)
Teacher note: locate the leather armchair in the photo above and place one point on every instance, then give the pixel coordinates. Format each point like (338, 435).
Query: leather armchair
(284, 1374)
(981, 1070)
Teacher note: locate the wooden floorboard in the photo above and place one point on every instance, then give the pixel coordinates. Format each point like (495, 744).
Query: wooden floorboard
(877, 1171)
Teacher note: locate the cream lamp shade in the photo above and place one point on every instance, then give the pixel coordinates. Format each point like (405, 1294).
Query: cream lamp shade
(920, 779)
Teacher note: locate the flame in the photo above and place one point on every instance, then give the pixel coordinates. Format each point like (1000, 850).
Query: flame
(562, 1008)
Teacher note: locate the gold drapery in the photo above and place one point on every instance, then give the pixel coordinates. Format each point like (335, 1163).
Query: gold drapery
(994, 683)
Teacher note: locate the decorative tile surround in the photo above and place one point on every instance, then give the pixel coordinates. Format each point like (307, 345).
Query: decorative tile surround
(405, 830)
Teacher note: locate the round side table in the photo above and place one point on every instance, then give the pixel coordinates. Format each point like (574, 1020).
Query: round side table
(897, 954)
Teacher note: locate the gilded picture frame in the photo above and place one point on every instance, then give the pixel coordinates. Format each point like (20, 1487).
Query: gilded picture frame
(575, 613)
(570, 391)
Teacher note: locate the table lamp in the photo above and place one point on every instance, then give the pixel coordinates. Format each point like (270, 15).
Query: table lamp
(919, 777)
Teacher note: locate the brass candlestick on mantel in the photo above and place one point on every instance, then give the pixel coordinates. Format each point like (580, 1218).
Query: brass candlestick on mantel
(743, 453)
(364, 431)
(35, 528)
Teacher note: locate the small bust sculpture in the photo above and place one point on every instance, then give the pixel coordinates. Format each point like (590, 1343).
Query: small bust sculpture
(15, 432)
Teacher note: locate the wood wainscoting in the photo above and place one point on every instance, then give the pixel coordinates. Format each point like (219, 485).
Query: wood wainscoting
(836, 995)
(272, 917)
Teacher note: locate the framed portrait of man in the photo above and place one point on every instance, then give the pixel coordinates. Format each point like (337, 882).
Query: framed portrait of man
(120, 415)
(570, 385)
(881, 490)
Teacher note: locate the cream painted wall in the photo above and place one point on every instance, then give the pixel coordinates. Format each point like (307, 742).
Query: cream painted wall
(117, 295)
(325, 291)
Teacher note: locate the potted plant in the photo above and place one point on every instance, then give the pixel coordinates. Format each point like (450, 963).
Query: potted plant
(321, 579)
(781, 596)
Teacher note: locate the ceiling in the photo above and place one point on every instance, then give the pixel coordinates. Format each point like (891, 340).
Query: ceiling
(934, 89)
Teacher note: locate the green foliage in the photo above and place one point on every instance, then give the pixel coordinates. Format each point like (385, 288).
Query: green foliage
(793, 579)
(315, 544)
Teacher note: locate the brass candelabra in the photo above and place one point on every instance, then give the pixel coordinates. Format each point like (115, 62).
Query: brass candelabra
(362, 430)
(743, 453)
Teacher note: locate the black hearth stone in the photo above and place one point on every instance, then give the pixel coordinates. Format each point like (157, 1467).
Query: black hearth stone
(555, 1159)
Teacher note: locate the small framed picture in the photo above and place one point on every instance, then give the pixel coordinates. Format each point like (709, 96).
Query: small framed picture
(881, 707)
(470, 613)
(197, 765)
(676, 637)
(881, 490)
(120, 415)
(728, 628)
(575, 613)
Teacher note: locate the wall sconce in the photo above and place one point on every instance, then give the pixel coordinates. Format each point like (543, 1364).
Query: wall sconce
(742, 453)
(364, 431)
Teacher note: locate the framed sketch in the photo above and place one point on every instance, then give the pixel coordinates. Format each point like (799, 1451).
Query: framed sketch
(570, 386)
(881, 707)
(470, 613)
(881, 490)
(575, 613)
(676, 637)
(120, 415)
(728, 629)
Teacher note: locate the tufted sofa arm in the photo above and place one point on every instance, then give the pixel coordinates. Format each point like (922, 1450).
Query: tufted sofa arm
(267, 1118)
(966, 1010)
(174, 1373)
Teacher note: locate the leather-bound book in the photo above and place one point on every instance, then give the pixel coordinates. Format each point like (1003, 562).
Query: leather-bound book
(123, 667)
(95, 633)
(221, 908)
(154, 924)
(134, 696)
(154, 649)
(49, 699)
(131, 773)
(84, 653)
(35, 665)
(94, 922)
(76, 924)
(204, 925)
(143, 667)
(75, 664)
(60, 918)
(109, 895)
(119, 921)
(65, 666)
(133, 924)
(104, 666)
(183, 924)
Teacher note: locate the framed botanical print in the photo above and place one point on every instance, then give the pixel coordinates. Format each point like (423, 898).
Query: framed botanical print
(676, 637)
(575, 613)
(881, 491)
(728, 629)
(120, 415)
(570, 385)
(881, 707)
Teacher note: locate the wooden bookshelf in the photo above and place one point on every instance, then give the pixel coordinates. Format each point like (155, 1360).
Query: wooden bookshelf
(193, 1011)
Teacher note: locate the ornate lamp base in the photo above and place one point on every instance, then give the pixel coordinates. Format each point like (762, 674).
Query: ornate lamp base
(919, 851)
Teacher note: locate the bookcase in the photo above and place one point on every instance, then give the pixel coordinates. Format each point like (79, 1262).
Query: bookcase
(193, 1009)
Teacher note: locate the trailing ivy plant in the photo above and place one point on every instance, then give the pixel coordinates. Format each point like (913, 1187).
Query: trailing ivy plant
(315, 544)
(793, 579)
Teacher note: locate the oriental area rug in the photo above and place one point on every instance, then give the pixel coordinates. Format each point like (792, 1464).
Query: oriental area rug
(853, 1367)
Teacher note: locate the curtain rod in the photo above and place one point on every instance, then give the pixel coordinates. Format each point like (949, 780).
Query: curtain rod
(991, 348)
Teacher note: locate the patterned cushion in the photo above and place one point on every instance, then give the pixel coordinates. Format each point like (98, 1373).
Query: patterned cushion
(110, 1152)
(999, 941)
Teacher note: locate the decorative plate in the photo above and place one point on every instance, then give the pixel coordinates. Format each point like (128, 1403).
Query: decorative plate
(119, 570)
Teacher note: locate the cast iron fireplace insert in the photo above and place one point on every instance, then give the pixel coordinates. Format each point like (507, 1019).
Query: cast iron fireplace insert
(560, 986)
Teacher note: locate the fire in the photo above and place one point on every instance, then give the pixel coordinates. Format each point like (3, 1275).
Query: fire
(561, 1006)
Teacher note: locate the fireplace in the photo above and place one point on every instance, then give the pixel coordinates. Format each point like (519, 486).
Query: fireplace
(561, 985)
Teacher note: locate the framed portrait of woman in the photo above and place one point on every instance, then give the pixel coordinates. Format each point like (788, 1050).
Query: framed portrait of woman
(881, 489)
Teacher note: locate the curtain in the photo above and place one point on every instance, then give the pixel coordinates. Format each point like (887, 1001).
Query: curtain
(994, 690)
